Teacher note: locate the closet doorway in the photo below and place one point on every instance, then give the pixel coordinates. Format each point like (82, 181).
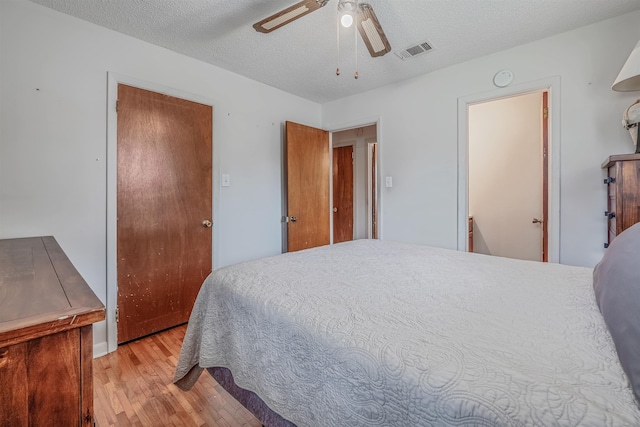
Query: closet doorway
(551, 86)
(508, 176)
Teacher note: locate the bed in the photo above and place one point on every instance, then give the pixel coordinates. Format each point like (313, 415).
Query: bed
(381, 333)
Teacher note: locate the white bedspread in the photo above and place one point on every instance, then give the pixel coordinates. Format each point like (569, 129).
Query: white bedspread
(377, 333)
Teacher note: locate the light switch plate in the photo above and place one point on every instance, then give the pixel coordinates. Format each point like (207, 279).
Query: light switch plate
(388, 182)
(226, 180)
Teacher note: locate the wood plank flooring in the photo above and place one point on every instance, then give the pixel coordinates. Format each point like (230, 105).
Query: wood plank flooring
(133, 386)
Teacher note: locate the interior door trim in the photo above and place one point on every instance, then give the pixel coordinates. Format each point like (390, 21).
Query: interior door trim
(552, 86)
(113, 79)
(545, 176)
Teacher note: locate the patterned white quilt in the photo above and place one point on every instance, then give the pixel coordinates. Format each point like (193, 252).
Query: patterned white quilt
(379, 333)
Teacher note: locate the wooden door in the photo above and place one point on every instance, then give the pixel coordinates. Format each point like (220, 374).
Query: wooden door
(342, 194)
(163, 200)
(308, 203)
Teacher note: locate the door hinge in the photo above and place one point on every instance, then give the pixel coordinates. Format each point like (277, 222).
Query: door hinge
(117, 105)
(545, 113)
(117, 314)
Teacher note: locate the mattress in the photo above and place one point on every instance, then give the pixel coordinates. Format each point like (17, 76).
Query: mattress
(380, 333)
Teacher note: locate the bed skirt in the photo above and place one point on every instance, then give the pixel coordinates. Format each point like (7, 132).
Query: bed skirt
(248, 399)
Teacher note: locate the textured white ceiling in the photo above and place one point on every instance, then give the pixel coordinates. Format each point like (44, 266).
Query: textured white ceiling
(301, 57)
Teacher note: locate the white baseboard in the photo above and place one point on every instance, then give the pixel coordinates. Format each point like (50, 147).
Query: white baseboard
(99, 349)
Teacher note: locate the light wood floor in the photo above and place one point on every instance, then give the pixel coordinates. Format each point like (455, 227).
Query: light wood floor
(133, 386)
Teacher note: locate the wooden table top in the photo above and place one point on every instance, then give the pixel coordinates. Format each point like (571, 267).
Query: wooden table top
(41, 292)
(611, 160)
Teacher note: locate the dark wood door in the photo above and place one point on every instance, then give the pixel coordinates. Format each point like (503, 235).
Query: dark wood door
(342, 194)
(164, 198)
(307, 153)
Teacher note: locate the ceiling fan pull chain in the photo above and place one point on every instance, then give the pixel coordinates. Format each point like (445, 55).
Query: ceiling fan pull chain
(338, 42)
(355, 39)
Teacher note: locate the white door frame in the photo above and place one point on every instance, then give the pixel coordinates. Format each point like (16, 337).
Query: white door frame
(552, 86)
(113, 79)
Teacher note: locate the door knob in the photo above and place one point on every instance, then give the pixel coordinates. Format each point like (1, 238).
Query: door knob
(293, 219)
(206, 223)
(335, 209)
(536, 221)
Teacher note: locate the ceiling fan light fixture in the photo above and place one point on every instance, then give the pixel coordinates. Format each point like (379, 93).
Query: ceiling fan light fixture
(347, 8)
(371, 31)
(346, 20)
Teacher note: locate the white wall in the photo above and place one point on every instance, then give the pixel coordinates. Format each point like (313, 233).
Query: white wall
(53, 142)
(418, 133)
(505, 183)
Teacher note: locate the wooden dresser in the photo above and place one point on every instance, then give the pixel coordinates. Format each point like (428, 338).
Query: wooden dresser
(46, 341)
(623, 183)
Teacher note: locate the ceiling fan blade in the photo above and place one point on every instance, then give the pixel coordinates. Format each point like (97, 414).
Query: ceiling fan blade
(371, 31)
(287, 15)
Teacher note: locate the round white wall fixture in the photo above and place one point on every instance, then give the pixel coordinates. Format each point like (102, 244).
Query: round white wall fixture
(502, 78)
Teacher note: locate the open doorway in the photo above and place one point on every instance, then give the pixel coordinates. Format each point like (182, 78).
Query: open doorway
(311, 177)
(549, 85)
(508, 182)
(355, 184)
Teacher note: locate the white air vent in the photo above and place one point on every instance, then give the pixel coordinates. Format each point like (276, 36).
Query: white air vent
(414, 50)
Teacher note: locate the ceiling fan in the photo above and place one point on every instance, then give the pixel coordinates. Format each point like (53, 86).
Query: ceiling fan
(368, 25)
